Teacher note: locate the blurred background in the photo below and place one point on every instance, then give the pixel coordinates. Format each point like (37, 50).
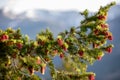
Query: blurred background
(32, 16)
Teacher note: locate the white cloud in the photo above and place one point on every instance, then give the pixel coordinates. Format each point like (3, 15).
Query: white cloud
(19, 6)
(30, 14)
(13, 8)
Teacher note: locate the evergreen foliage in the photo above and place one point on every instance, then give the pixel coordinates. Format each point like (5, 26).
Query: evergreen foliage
(79, 47)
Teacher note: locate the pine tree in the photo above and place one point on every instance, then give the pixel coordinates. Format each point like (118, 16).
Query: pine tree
(79, 47)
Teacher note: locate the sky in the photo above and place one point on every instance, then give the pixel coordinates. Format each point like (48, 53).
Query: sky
(19, 6)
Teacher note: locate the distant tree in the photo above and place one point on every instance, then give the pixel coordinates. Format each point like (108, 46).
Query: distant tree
(79, 47)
